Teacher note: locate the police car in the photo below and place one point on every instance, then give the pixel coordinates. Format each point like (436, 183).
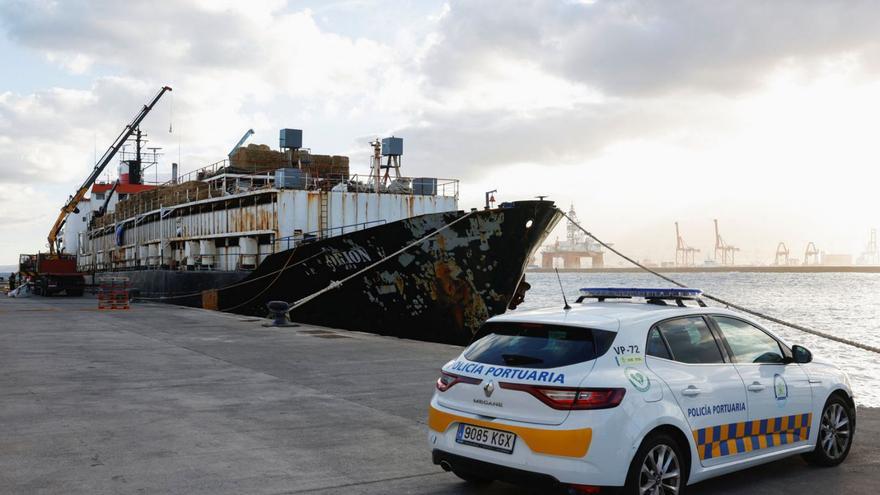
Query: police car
(645, 389)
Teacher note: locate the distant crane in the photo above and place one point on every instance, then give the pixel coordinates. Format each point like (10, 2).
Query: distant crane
(781, 254)
(684, 254)
(728, 253)
(811, 255)
(871, 256)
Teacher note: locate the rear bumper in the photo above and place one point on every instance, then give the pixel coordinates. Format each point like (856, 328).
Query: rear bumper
(560, 454)
(497, 472)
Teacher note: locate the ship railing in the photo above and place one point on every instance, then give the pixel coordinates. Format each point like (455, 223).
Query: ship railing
(295, 240)
(415, 186)
(427, 186)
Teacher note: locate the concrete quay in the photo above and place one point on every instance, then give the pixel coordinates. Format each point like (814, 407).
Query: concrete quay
(163, 399)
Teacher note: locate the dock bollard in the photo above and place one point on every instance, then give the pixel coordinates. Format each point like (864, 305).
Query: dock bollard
(278, 313)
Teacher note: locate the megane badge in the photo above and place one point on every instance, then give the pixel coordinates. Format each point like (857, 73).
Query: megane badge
(489, 388)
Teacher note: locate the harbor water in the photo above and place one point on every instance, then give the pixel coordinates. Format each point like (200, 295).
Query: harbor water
(844, 304)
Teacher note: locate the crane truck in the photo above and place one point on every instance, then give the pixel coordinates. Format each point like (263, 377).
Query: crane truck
(56, 272)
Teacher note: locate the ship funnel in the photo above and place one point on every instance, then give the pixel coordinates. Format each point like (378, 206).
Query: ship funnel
(174, 173)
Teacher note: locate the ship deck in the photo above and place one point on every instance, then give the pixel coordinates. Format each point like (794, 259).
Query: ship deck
(163, 399)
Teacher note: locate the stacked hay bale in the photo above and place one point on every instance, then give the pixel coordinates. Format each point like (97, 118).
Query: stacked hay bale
(193, 190)
(324, 166)
(257, 158)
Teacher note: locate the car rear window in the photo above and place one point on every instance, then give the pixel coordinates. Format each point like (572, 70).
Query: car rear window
(535, 345)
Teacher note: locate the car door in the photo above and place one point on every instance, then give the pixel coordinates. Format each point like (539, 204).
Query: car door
(778, 390)
(685, 353)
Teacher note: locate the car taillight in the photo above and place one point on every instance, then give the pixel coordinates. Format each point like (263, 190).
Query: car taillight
(566, 398)
(447, 380)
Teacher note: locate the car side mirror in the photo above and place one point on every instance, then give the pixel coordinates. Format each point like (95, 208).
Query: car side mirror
(801, 354)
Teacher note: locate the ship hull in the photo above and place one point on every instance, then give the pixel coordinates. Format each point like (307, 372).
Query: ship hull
(441, 289)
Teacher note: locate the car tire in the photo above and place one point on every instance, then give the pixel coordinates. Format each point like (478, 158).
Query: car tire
(837, 426)
(472, 478)
(643, 474)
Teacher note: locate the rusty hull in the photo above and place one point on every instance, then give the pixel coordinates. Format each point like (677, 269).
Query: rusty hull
(441, 290)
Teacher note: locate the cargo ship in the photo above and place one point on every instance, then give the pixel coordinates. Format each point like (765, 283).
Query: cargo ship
(286, 224)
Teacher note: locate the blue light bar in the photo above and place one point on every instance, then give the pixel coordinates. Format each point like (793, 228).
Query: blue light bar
(624, 292)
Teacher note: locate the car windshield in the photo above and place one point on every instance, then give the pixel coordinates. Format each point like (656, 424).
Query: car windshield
(536, 345)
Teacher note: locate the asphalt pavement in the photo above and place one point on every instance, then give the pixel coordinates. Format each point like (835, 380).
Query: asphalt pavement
(162, 399)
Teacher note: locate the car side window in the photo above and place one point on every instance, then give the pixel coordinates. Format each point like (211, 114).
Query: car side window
(656, 347)
(691, 341)
(749, 343)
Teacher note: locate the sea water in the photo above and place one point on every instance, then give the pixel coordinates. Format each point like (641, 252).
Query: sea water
(843, 304)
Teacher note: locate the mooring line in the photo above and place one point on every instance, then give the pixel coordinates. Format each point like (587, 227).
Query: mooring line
(286, 266)
(719, 300)
(334, 284)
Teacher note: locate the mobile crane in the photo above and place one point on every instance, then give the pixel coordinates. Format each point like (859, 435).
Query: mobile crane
(55, 272)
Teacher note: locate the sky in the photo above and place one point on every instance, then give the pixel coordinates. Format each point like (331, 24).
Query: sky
(763, 115)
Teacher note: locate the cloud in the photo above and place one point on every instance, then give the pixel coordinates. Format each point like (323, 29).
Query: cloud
(231, 66)
(634, 48)
(47, 136)
(553, 83)
(473, 87)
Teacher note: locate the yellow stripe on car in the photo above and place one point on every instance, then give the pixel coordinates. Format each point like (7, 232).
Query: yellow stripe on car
(563, 443)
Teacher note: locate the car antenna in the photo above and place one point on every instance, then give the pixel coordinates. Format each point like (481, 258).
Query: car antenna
(558, 278)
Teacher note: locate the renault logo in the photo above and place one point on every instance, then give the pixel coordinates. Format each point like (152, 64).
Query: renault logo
(489, 388)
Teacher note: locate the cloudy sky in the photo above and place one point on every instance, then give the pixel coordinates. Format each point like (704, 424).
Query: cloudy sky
(763, 115)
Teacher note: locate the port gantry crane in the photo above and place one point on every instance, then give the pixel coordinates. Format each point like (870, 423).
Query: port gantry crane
(71, 205)
(728, 252)
(782, 253)
(811, 255)
(684, 254)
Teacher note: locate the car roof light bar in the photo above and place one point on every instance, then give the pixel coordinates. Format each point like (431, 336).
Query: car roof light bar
(652, 295)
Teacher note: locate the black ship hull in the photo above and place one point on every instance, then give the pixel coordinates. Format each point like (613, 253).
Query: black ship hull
(441, 289)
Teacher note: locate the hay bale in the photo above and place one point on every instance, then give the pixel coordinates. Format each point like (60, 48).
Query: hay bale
(258, 158)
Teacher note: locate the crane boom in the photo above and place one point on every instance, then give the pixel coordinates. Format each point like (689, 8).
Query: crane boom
(249, 133)
(74, 200)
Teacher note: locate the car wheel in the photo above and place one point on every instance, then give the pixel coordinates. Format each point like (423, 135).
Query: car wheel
(836, 429)
(475, 479)
(658, 468)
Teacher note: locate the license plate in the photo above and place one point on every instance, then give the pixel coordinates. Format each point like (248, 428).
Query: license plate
(486, 438)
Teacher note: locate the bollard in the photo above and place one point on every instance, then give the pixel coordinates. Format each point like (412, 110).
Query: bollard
(278, 313)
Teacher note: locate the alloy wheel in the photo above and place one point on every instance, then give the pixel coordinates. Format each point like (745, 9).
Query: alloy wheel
(835, 431)
(660, 473)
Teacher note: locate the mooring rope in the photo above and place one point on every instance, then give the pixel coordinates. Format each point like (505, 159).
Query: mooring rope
(719, 300)
(335, 284)
(287, 266)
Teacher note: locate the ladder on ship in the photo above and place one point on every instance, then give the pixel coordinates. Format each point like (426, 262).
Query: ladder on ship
(323, 221)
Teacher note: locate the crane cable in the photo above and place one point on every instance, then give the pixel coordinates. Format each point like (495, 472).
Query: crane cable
(719, 300)
(335, 284)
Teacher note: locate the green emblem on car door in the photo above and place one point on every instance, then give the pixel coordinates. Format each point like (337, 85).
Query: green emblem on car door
(638, 379)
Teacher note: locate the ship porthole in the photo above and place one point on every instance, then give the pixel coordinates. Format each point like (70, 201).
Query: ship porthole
(529, 224)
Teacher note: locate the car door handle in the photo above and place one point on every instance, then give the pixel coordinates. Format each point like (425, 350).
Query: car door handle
(755, 387)
(691, 391)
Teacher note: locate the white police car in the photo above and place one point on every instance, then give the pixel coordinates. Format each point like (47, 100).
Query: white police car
(647, 396)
